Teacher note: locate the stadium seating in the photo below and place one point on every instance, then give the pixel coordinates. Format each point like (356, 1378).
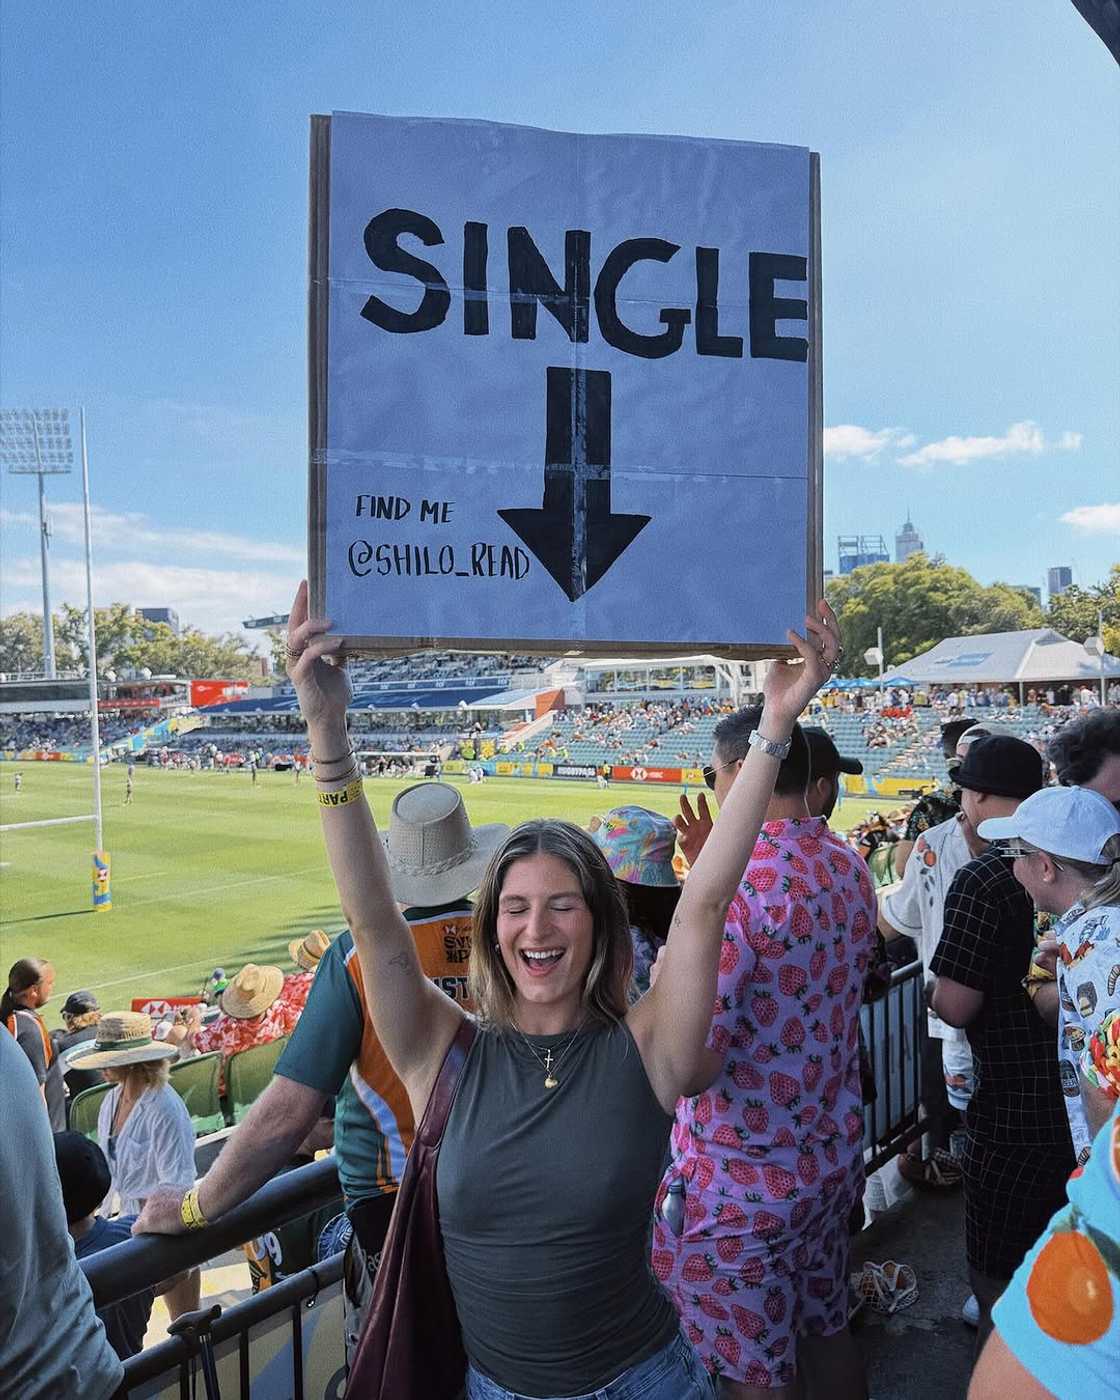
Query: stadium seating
(196, 1082)
(84, 1108)
(248, 1073)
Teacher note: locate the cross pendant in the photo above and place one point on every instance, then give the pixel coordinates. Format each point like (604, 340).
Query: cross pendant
(548, 1061)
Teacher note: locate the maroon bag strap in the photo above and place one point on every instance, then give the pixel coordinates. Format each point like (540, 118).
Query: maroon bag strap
(411, 1347)
(430, 1132)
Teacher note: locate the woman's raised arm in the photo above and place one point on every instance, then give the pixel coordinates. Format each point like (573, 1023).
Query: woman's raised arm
(414, 1020)
(671, 1024)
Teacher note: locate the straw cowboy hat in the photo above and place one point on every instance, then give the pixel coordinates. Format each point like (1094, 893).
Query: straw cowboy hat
(435, 856)
(123, 1038)
(252, 991)
(306, 952)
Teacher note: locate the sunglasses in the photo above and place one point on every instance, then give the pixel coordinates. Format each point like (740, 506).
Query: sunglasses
(710, 772)
(1015, 849)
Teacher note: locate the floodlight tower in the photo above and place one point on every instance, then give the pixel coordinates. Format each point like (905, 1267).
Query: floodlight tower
(39, 441)
(36, 442)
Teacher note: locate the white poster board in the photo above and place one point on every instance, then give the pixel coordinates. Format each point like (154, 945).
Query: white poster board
(565, 389)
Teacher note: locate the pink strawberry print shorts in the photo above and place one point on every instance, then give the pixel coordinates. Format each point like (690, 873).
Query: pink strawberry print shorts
(744, 1299)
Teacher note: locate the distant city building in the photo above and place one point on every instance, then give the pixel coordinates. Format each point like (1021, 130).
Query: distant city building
(854, 551)
(1036, 593)
(907, 541)
(1058, 579)
(168, 615)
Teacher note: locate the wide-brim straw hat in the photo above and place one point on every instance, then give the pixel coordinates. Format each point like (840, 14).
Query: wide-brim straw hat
(123, 1038)
(306, 952)
(435, 856)
(252, 991)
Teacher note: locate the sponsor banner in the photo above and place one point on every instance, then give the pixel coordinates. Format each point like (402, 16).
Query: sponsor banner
(158, 1007)
(504, 769)
(129, 703)
(454, 765)
(487, 749)
(572, 770)
(544, 770)
(647, 775)
(525, 770)
(216, 692)
(693, 775)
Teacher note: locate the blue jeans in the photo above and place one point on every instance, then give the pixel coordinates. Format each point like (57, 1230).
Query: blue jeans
(674, 1373)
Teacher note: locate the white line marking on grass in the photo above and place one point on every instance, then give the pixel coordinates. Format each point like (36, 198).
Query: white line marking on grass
(229, 885)
(150, 972)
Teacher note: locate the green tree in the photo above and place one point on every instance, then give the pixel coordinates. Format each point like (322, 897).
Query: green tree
(917, 604)
(21, 642)
(1074, 613)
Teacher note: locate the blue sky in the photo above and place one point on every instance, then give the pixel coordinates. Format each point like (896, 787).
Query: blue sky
(153, 221)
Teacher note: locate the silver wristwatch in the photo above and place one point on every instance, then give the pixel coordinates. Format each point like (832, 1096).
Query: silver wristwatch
(757, 741)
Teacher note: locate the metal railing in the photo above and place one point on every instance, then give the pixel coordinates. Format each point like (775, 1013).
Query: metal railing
(127, 1269)
(893, 1029)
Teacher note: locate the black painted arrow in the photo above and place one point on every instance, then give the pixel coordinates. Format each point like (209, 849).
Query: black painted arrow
(575, 535)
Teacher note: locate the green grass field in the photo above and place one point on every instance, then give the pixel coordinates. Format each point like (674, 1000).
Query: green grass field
(207, 870)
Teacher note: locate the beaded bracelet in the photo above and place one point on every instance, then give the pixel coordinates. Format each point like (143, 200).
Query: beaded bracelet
(341, 797)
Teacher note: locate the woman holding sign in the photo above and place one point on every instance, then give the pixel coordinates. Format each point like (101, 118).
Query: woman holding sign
(555, 1143)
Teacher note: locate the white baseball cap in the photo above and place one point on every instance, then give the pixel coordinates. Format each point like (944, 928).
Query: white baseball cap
(1064, 821)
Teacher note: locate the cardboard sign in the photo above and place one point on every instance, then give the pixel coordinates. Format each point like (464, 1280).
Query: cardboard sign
(565, 390)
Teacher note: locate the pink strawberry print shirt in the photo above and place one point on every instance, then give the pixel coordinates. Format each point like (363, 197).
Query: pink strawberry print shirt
(780, 1131)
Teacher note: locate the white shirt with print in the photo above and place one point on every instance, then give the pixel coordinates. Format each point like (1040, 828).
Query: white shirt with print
(1088, 989)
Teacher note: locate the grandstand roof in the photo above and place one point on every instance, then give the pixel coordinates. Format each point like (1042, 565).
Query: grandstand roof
(510, 699)
(1037, 655)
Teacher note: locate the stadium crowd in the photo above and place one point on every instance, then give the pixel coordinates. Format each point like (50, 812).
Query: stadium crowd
(576, 947)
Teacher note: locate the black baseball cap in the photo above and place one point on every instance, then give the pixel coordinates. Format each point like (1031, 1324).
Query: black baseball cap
(80, 1003)
(83, 1172)
(1001, 766)
(824, 756)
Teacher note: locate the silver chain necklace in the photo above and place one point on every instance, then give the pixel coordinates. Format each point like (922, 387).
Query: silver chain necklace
(550, 1061)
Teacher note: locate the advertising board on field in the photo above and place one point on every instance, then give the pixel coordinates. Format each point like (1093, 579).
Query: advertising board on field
(565, 389)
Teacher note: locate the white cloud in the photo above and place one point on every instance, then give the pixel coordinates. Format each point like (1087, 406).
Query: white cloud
(116, 533)
(214, 600)
(850, 440)
(1094, 520)
(1021, 439)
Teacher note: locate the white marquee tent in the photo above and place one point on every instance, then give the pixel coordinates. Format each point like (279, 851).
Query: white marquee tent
(1039, 656)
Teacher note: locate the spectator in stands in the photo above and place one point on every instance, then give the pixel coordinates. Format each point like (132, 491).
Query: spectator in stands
(638, 845)
(51, 1341)
(1065, 843)
(435, 859)
(770, 1159)
(546, 1267)
(1018, 1151)
(826, 763)
(258, 1007)
(30, 984)
(143, 1125)
(937, 806)
(1055, 1325)
(84, 1176)
(81, 1012)
(306, 953)
(1086, 753)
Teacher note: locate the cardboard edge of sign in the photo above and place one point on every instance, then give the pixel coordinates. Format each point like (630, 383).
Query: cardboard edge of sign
(318, 334)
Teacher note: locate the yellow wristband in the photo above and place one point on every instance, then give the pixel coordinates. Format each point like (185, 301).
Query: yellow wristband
(341, 797)
(190, 1212)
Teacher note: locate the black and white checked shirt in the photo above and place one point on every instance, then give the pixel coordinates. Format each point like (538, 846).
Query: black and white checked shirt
(986, 944)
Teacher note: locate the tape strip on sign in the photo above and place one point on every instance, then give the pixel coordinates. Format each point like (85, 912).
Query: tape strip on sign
(541, 360)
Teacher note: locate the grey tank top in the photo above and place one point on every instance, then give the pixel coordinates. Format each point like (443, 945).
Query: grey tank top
(545, 1203)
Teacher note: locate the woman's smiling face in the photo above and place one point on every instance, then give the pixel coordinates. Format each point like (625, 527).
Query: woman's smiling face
(546, 937)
